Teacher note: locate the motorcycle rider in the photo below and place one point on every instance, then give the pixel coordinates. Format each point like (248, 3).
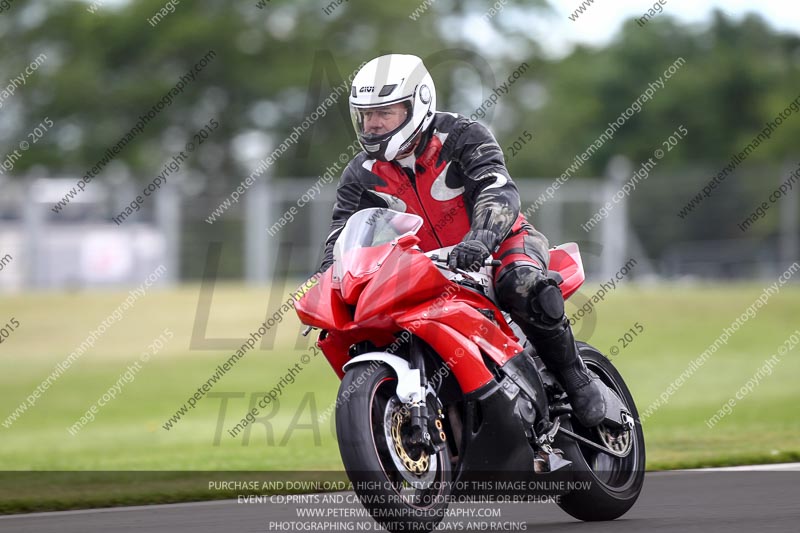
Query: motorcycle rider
(450, 171)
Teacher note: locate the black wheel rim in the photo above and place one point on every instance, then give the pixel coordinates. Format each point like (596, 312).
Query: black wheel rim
(615, 473)
(416, 497)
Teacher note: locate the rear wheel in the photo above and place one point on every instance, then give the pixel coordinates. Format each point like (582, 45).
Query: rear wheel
(396, 481)
(609, 485)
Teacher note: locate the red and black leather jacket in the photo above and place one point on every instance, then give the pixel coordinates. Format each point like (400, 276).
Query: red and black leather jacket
(456, 180)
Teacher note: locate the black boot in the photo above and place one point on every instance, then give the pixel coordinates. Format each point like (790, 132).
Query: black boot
(537, 306)
(559, 353)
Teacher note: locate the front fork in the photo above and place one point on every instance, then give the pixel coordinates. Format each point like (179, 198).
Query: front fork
(426, 426)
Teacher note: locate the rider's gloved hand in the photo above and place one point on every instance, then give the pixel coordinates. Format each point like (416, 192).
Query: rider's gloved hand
(471, 252)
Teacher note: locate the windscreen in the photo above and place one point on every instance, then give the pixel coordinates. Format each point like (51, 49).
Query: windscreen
(375, 227)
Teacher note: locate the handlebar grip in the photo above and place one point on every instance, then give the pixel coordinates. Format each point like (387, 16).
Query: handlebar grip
(488, 262)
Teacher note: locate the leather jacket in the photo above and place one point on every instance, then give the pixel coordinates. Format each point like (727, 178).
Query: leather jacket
(456, 180)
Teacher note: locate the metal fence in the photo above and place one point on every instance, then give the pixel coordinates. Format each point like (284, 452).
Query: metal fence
(84, 247)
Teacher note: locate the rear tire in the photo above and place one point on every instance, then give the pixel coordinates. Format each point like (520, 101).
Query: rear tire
(613, 483)
(393, 494)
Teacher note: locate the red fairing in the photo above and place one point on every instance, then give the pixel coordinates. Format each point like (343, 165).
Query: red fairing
(364, 262)
(395, 288)
(566, 260)
(453, 327)
(322, 307)
(478, 301)
(461, 356)
(336, 344)
(336, 348)
(421, 282)
(407, 278)
(463, 318)
(408, 292)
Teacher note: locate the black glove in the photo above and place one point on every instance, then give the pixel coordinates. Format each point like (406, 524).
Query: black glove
(471, 253)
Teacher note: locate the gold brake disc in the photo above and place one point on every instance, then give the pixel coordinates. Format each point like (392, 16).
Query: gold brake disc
(415, 466)
(616, 440)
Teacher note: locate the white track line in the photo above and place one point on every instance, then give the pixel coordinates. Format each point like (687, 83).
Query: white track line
(777, 467)
(121, 508)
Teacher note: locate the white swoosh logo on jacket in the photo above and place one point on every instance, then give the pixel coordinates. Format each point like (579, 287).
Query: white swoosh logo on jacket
(439, 189)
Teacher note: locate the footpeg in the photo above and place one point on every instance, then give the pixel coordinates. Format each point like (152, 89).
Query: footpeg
(549, 459)
(557, 462)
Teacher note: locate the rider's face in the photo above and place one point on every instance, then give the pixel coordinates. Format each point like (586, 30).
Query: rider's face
(380, 120)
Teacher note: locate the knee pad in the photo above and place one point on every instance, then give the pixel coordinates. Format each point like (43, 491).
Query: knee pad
(514, 288)
(534, 298)
(547, 302)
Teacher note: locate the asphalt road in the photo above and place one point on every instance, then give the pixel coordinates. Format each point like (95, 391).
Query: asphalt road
(725, 500)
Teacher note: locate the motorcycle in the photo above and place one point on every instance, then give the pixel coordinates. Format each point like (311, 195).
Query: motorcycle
(442, 397)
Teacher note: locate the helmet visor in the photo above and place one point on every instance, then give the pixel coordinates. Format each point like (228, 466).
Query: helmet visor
(377, 123)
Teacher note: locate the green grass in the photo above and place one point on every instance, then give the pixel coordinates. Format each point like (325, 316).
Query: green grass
(679, 323)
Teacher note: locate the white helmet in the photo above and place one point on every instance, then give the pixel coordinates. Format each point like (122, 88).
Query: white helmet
(392, 79)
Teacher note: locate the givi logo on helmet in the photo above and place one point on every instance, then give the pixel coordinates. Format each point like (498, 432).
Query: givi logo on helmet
(367, 89)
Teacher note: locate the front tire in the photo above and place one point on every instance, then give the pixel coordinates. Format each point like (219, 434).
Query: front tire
(613, 483)
(397, 483)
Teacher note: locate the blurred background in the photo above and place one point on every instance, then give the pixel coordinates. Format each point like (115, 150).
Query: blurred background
(93, 84)
(93, 74)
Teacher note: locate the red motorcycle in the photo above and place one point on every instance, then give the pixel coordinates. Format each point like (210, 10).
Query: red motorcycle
(442, 396)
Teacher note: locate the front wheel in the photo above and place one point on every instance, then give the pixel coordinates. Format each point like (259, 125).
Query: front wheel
(608, 485)
(399, 483)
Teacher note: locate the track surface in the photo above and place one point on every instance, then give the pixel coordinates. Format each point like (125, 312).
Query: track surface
(725, 500)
